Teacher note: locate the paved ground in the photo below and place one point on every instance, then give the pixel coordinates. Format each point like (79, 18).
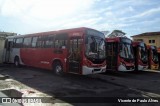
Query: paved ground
(31, 81)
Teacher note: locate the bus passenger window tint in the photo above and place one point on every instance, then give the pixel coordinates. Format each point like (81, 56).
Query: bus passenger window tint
(49, 41)
(34, 41)
(18, 43)
(56, 45)
(60, 44)
(27, 42)
(60, 41)
(40, 42)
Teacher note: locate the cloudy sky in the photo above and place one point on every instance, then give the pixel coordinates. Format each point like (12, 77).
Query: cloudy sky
(29, 16)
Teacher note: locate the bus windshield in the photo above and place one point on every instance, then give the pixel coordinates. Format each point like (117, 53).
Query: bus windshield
(95, 47)
(143, 52)
(126, 50)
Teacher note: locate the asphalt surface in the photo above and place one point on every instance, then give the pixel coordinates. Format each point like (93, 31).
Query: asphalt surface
(111, 86)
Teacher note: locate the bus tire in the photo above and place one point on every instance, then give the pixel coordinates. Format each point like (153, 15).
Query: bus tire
(16, 62)
(58, 68)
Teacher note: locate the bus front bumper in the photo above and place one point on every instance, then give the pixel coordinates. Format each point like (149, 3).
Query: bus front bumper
(155, 67)
(124, 68)
(140, 67)
(90, 70)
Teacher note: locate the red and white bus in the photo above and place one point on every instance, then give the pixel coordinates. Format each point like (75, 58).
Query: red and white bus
(78, 50)
(140, 54)
(119, 53)
(153, 62)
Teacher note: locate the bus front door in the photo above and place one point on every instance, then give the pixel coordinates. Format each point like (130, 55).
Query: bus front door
(74, 58)
(8, 50)
(112, 54)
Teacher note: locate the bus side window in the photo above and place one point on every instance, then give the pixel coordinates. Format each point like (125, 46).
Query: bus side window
(39, 42)
(64, 44)
(34, 41)
(18, 43)
(43, 39)
(60, 41)
(27, 42)
(49, 41)
(56, 44)
(61, 44)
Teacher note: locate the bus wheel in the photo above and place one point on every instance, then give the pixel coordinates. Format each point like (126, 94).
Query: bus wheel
(57, 68)
(16, 62)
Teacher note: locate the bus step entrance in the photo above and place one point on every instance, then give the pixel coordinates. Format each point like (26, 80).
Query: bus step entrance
(74, 66)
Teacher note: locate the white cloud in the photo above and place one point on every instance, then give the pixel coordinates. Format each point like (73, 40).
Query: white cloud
(44, 13)
(14, 7)
(125, 10)
(47, 9)
(144, 14)
(82, 22)
(148, 12)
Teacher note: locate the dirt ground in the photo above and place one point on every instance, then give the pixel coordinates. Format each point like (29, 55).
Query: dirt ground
(94, 88)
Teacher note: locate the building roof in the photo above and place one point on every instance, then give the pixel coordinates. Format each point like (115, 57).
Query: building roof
(3, 35)
(147, 34)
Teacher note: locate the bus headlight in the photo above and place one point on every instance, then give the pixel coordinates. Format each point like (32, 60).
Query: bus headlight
(121, 63)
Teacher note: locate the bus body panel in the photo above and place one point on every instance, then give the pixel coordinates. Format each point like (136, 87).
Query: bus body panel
(72, 55)
(153, 62)
(140, 64)
(114, 60)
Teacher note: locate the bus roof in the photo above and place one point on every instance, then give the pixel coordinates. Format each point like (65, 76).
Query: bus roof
(56, 32)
